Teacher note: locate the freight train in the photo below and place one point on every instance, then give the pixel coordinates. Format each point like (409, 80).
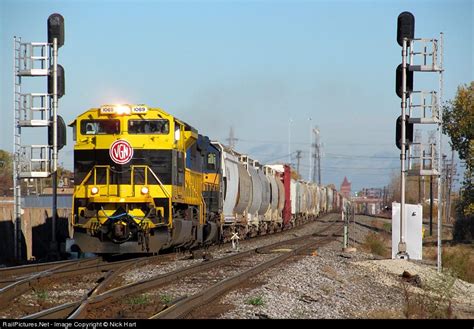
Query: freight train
(146, 181)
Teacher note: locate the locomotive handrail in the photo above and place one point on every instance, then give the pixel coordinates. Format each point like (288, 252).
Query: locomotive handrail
(132, 176)
(161, 184)
(93, 172)
(203, 209)
(86, 178)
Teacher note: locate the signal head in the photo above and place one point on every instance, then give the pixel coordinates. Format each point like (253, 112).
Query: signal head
(405, 27)
(56, 29)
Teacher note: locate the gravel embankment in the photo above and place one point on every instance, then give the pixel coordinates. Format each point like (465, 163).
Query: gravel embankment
(183, 261)
(332, 284)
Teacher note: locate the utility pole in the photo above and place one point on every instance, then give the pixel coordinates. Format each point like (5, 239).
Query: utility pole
(432, 155)
(445, 187)
(448, 174)
(451, 175)
(316, 156)
(319, 164)
(432, 144)
(422, 164)
(417, 154)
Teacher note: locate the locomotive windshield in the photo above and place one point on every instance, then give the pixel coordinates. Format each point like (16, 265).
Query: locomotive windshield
(148, 127)
(100, 127)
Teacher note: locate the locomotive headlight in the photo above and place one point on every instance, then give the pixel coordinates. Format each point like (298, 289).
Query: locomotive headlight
(94, 190)
(122, 109)
(145, 190)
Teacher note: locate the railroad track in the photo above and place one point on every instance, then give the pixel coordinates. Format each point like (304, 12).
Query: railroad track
(15, 274)
(17, 281)
(184, 308)
(17, 271)
(74, 309)
(218, 275)
(18, 285)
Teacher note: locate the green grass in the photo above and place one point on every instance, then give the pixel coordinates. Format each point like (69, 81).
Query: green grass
(138, 300)
(256, 301)
(41, 294)
(166, 299)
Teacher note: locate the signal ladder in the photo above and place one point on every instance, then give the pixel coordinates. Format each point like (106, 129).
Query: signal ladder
(426, 104)
(31, 110)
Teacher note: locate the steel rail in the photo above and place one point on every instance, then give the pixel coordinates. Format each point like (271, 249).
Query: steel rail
(57, 312)
(19, 287)
(81, 267)
(184, 307)
(101, 288)
(78, 310)
(155, 282)
(18, 273)
(69, 309)
(31, 268)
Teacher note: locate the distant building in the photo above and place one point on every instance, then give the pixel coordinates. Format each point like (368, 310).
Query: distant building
(60, 190)
(346, 188)
(371, 193)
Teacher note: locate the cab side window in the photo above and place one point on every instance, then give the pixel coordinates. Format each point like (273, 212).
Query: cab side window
(100, 127)
(211, 161)
(148, 127)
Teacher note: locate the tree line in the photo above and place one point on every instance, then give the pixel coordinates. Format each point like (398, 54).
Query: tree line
(458, 124)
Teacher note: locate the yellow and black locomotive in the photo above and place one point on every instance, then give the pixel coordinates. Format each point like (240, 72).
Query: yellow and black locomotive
(145, 181)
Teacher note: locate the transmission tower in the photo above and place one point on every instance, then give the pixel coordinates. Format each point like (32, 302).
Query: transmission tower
(232, 139)
(298, 157)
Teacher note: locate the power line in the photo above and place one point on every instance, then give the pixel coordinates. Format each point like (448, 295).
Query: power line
(306, 143)
(357, 173)
(343, 156)
(279, 157)
(356, 168)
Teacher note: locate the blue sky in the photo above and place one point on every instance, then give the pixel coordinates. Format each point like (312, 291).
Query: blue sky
(253, 65)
